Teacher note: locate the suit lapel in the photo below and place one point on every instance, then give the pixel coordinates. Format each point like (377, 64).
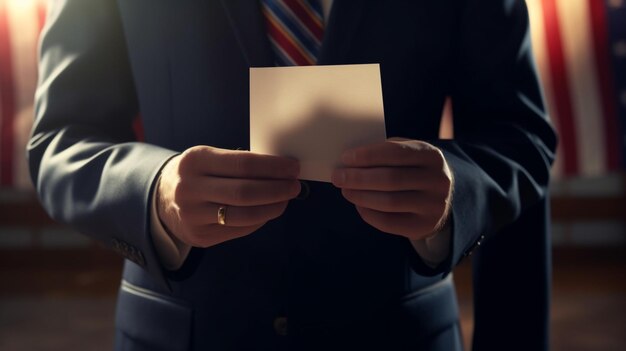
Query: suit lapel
(341, 27)
(246, 20)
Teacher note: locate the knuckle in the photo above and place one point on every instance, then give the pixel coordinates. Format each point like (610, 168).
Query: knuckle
(189, 158)
(185, 165)
(193, 156)
(437, 158)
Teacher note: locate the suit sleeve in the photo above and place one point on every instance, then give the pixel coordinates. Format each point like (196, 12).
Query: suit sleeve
(503, 144)
(87, 168)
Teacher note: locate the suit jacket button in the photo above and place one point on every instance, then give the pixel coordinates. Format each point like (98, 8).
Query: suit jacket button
(280, 326)
(476, 245)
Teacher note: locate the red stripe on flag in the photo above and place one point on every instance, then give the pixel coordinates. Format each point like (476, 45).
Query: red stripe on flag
(304, 15)
(561, 87)
(41, 14)
(605, 78)
(138, 128)
(286, 43)
(7, 100)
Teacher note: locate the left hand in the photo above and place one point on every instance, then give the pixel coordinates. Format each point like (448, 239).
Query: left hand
(400, 186)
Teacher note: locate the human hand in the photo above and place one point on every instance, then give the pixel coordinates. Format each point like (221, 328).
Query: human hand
(254, 189)
(399, 186)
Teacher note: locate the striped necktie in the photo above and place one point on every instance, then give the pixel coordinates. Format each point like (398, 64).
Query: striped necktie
(295, 29)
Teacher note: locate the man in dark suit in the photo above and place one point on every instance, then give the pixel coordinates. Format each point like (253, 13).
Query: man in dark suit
(220, 255)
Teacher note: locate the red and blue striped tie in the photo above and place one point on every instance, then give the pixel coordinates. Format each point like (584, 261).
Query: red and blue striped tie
(295, 29)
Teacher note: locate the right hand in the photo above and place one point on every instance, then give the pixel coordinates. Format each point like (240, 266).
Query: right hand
(254, 188)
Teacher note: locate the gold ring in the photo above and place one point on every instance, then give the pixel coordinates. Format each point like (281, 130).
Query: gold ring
(221, 215)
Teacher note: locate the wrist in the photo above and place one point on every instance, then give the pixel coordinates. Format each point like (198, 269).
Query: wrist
(172, 252)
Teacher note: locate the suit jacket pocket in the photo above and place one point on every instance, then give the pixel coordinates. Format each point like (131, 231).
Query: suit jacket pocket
(152, 320)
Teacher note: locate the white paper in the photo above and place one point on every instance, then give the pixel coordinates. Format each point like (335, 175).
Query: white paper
(315, 113)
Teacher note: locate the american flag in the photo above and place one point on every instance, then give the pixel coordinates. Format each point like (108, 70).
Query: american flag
(20, 24)
(579, 47)
(580, 50)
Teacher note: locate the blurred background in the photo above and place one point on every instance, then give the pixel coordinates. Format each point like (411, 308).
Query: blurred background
(58, 288)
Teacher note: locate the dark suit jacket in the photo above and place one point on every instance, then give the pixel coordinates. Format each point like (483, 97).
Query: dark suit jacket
(324, 278)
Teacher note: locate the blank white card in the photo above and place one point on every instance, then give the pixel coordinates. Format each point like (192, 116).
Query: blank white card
(315, 113)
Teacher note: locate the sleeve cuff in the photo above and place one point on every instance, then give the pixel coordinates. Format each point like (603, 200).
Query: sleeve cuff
(171, 251)
(434, 249)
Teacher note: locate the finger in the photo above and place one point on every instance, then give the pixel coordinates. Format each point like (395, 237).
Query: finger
(238, 164)
(237, 216)
(398, 202)
(408, 225)
(391, 179)
(393, 153)
(195, 190)
(213, 234)
(246, 192)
